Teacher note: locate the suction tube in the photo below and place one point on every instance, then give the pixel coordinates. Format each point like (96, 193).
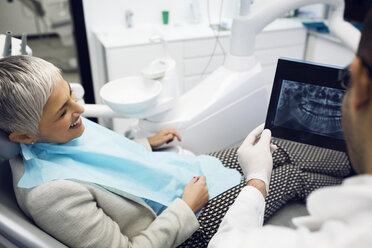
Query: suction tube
(8, 45)
(24, 44)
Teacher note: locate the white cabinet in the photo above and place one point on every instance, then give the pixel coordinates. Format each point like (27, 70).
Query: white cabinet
(191, 58)
(270, 46)
(205, 47)
(129, 61)
(325, 49)
(203, 56)
(196, 57)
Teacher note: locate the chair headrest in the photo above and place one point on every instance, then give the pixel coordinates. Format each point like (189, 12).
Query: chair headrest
(8, 149)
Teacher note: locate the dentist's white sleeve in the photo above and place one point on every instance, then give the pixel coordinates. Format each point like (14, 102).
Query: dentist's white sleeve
(244, 216)
(242, 227)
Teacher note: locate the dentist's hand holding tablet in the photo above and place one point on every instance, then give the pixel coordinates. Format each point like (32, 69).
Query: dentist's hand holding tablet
(255, 158)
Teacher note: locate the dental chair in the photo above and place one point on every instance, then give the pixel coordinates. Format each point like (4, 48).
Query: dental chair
(16, 229)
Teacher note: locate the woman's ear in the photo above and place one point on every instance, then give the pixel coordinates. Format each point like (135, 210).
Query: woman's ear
(361, 84)
(22, 138)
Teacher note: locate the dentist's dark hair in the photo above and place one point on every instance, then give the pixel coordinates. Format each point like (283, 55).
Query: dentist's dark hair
(26, 83)
(365, 44)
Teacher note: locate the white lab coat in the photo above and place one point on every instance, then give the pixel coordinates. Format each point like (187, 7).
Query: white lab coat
(339, 216)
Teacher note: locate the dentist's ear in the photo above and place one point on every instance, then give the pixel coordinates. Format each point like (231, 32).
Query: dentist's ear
(361, 84)
(22, 138)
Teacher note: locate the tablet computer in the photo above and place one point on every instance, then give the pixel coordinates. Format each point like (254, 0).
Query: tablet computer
(305, 104)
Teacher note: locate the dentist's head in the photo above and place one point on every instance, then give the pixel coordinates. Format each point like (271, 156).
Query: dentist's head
(357, 104)
(36, 104)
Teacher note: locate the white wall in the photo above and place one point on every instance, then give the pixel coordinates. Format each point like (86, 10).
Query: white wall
(149, 11)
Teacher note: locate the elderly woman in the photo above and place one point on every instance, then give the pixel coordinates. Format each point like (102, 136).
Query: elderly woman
(88, 186)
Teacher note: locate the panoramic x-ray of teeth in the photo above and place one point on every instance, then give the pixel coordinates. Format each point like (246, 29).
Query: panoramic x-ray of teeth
(312, 108)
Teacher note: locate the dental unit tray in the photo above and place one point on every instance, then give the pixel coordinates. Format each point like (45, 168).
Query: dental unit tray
(305, 104)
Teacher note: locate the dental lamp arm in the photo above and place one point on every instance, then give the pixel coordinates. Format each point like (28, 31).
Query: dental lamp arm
(92, 110)
(246, 27)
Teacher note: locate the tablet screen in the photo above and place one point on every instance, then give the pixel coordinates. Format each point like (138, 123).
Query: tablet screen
(305, 104)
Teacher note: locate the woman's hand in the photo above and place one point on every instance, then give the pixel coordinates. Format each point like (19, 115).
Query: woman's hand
(164, 136)
(196, 193)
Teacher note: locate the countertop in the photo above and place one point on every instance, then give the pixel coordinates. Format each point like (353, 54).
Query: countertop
(118, 36)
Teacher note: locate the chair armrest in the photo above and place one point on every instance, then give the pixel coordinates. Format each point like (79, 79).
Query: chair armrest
(15, 227)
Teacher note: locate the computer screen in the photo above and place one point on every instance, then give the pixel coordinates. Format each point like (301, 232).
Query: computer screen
(305, 104)
(313, 108)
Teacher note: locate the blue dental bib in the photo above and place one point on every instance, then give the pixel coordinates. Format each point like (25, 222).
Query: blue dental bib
(104, 157)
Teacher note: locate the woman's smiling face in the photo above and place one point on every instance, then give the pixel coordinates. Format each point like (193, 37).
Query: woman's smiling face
(60, 121)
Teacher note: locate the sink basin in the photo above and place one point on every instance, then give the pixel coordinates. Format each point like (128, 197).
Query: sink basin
(131, 95)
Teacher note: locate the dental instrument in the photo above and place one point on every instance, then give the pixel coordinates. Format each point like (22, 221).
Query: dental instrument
(8, 45)
(13, 46)
(24, 44)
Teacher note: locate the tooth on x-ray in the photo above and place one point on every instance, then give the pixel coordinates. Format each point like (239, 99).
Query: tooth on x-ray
(310, 107)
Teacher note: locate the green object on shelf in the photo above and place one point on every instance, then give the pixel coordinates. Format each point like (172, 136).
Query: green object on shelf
(296, 12)
(165, 15)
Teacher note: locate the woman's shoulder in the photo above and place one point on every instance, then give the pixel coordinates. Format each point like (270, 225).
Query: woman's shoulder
(58, 192)
(55, 190)
(59, 187)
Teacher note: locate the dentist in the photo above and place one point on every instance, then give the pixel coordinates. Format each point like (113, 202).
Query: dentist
(339, 216)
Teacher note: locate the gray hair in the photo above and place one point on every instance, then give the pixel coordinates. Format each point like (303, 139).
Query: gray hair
(26, 83)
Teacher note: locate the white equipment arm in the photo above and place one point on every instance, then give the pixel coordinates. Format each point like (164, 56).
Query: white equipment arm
(247, 26)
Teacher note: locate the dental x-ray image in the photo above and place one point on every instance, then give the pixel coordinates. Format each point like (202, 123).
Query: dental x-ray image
(314, 108)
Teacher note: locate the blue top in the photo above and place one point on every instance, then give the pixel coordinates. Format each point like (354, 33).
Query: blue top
(104, 157)
(157, 207)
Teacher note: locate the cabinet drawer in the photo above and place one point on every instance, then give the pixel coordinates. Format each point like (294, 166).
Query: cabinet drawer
(193, 66)
(268, 72)
(271, 56)
(320, 49)
(271, 39)
(124, 62)
(191, 81)
(204, 47)
(264, 40)
(197, 65)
